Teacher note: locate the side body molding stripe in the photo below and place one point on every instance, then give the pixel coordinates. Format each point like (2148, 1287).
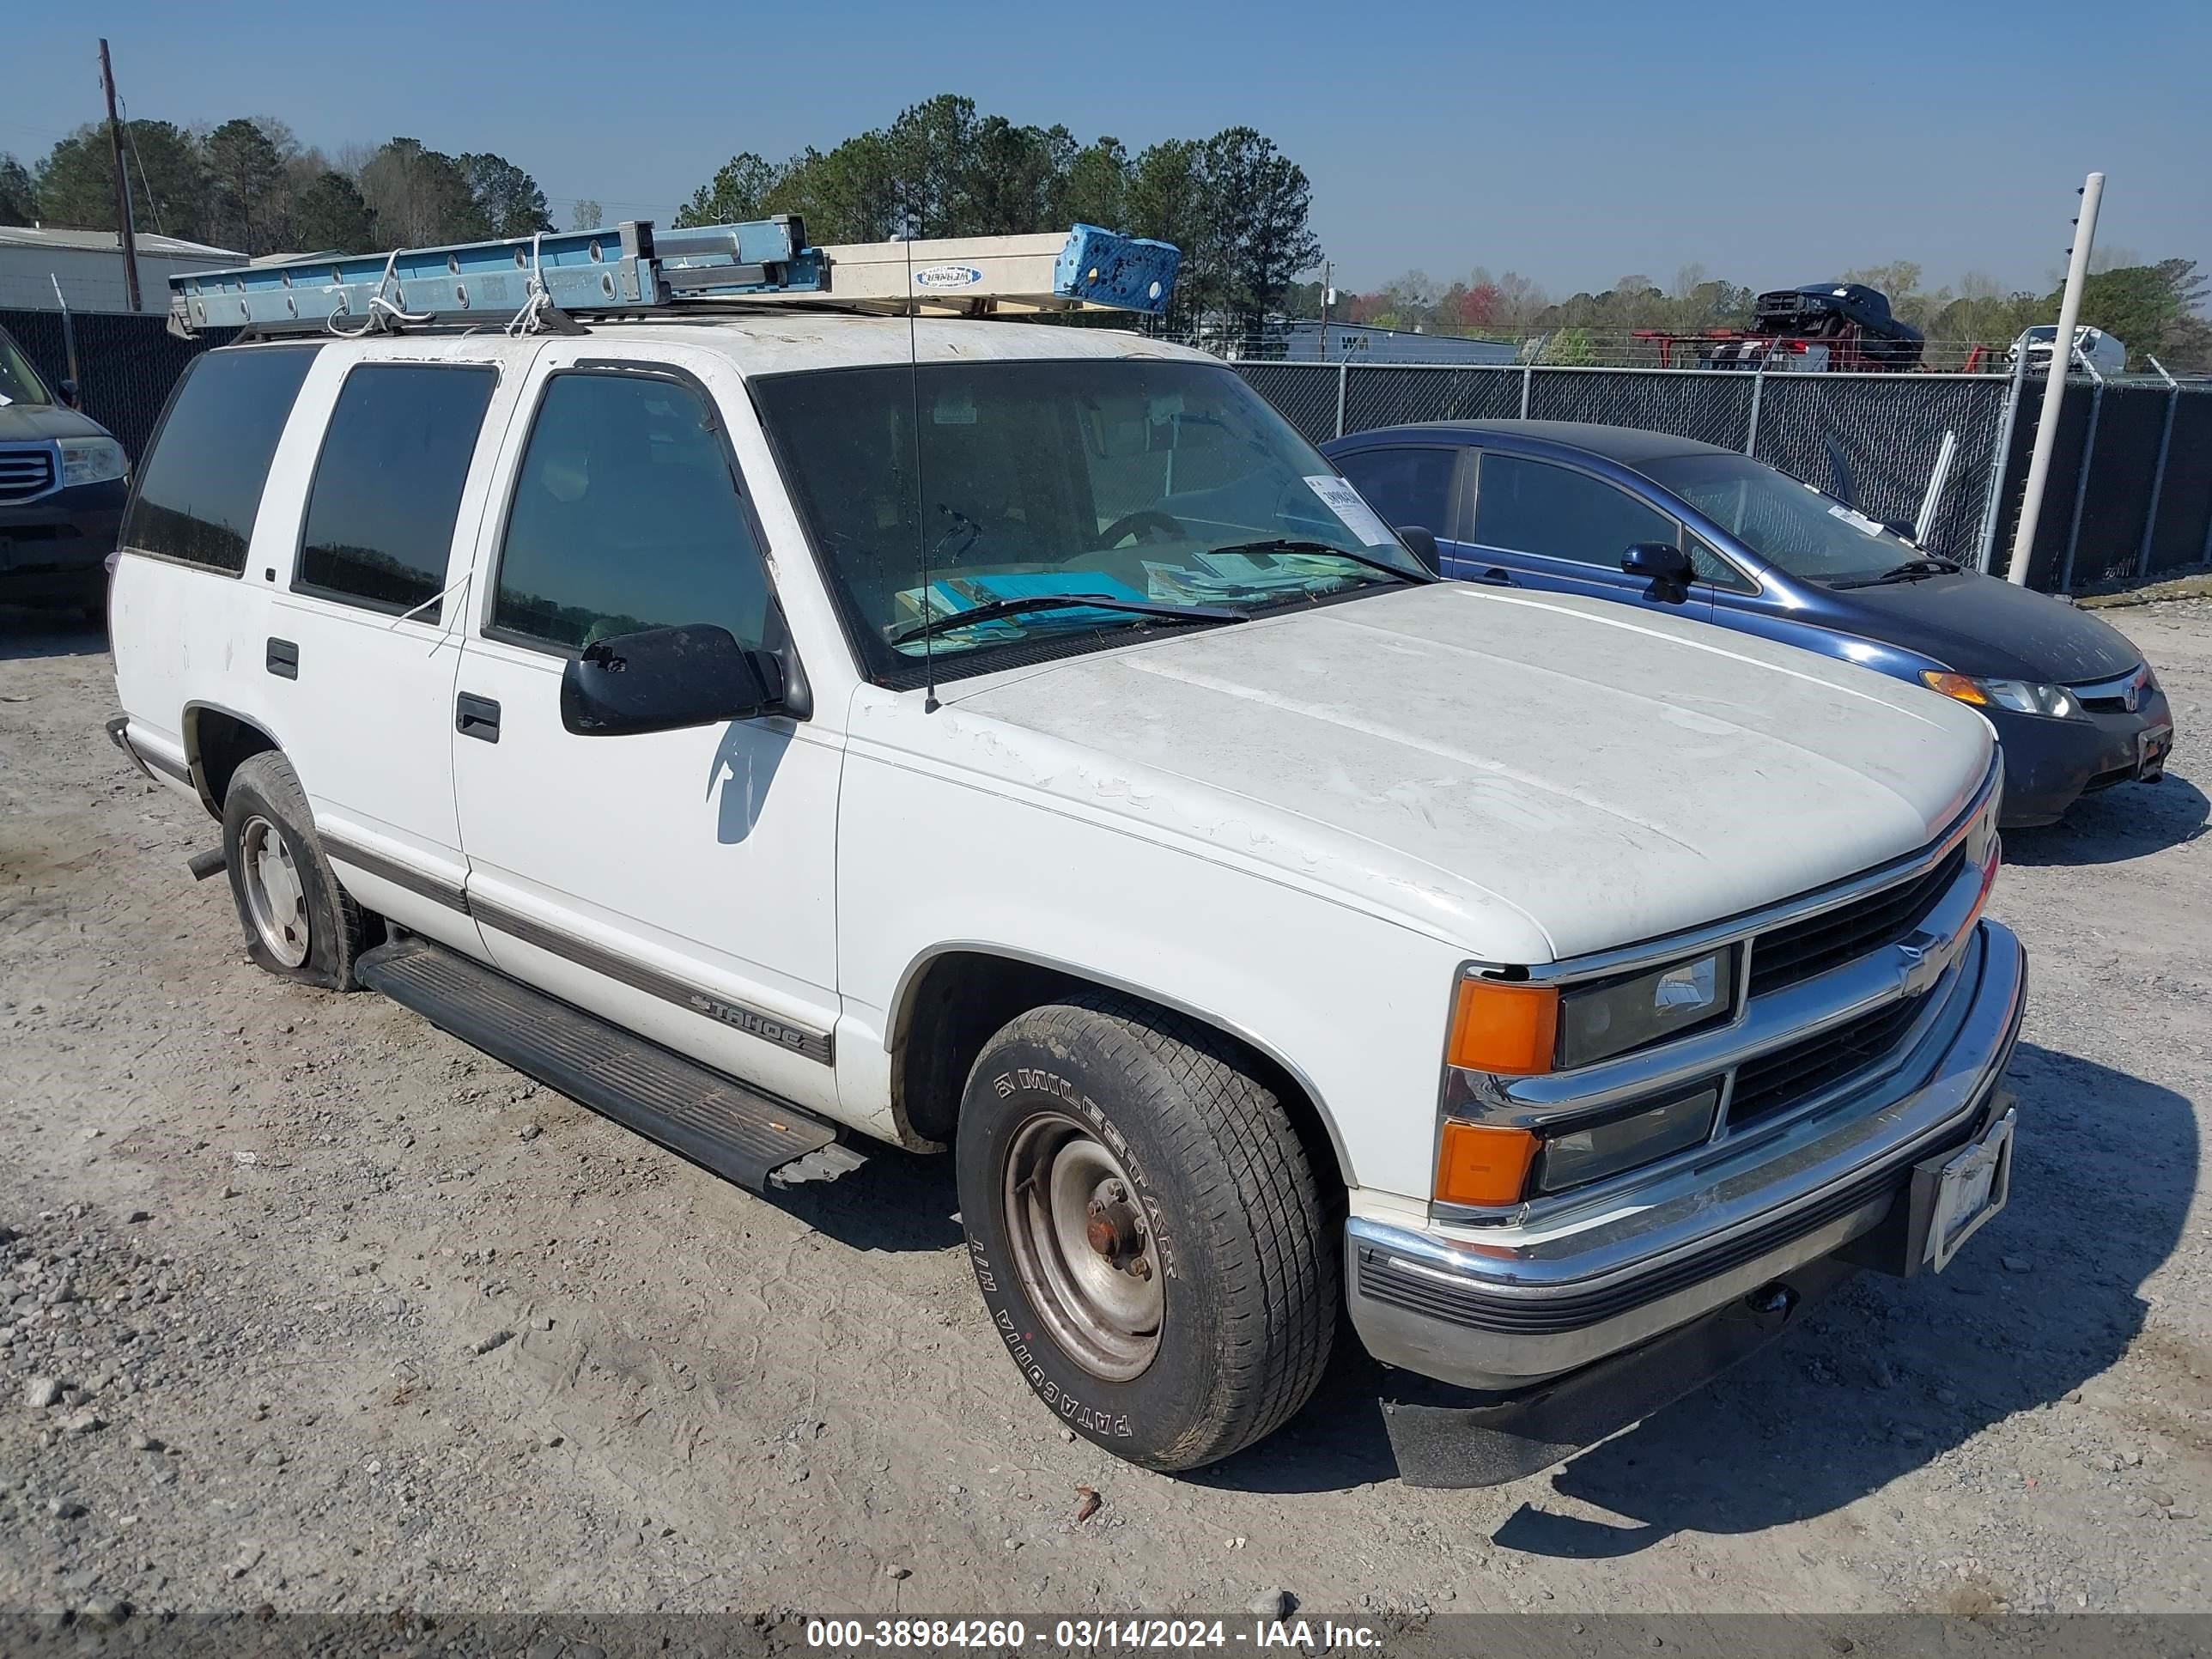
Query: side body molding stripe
(400, 875)
(815, 1045)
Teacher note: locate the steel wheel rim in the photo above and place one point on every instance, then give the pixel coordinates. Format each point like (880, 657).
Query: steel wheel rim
(275, 897)
(1066, 1195)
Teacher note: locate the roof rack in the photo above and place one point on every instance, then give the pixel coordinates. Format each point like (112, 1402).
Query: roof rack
(544, 282)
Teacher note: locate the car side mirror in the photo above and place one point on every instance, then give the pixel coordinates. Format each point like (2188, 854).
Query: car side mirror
(665, 679)
(1664, 565)
(1424, 543)
(72, 394)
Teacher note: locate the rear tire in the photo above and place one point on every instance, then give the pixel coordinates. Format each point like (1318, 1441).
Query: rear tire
(1148, 1236)
(300, 924)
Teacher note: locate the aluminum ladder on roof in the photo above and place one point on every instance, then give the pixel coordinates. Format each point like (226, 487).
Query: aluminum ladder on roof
(545, 281)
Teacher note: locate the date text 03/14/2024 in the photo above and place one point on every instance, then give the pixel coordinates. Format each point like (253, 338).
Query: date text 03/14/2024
(1079, 1635)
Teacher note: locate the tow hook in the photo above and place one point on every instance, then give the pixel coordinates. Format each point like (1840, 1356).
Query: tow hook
(1771, 1304)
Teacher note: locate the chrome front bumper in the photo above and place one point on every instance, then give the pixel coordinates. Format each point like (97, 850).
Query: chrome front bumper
(1514, 1306)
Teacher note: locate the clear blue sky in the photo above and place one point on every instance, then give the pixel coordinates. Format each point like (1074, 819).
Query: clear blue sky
(1573, 144)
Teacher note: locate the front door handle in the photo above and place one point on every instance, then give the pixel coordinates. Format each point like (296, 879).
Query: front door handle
(475, 717)
(1496, 575)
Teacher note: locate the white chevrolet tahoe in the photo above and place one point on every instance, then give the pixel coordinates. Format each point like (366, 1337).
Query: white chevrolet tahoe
(1032, 749)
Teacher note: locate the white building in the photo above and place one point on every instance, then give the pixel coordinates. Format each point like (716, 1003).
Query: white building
(88, 264)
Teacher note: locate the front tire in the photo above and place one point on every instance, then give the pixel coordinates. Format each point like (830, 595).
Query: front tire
(300, 924)
(1146, 1230)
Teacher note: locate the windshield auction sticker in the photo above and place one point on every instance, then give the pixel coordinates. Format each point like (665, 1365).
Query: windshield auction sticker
(1361, 520)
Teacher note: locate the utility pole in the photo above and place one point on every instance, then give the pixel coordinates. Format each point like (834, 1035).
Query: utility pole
(122, 185)
(2054, 382)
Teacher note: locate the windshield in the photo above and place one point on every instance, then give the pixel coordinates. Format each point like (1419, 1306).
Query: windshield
(19, 381)
(1115, 478)
(1792, 525)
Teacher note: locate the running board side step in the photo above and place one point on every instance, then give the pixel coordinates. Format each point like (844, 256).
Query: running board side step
(712, 1120)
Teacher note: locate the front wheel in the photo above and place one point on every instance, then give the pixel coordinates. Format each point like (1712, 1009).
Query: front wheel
(1146, 1230)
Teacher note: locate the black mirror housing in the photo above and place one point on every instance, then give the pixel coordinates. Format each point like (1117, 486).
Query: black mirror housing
(665, 679)
(1659, 561)
(1424, 545)
(72, 394)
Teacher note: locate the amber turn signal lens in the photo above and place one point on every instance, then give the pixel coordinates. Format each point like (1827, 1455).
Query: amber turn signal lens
(1510, 1030)
(1480, 1165)
(1956, 685)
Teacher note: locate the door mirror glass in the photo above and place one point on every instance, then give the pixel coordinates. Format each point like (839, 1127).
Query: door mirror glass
(663, 680)
(1424, 543)
(1661, 563)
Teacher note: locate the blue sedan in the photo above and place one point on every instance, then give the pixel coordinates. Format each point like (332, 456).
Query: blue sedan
(1667, 524)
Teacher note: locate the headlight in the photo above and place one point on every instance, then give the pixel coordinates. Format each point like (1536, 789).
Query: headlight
(1486, 1166)
(1597, 1021)
(1513, 1028)
(2022, 696)
(1576, 1156)
(91, 460)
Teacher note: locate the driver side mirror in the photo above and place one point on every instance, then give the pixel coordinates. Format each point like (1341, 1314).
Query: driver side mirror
(1664, 565)
(665, 679)
(72, 394)
(1424, 543)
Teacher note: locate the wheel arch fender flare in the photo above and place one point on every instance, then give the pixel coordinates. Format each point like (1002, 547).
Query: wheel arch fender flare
(905, 995)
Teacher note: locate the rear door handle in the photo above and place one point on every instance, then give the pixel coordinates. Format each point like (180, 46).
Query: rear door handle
(475, 717)
(283, 660)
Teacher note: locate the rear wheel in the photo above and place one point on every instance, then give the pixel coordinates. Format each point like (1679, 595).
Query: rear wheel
(1146, 1229)
(300, 924)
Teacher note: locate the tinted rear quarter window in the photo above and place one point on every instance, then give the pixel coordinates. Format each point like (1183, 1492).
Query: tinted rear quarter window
(1411, 486)
(388, 484)
(201, 485)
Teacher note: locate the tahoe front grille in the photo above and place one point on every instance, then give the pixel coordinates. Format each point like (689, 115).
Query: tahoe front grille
(1797, 952)
(1802, 1070)
(25, 473)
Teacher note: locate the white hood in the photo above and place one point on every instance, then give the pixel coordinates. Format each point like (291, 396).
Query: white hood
(1532, 776)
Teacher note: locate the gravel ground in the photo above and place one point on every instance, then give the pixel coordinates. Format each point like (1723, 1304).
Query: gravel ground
(305, 1306)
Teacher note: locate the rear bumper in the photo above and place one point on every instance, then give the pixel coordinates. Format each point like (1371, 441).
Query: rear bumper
(1504, 1316)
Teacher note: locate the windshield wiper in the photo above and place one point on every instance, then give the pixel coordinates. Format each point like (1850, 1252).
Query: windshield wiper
(1285, 544)
(1015, 607)
(1910, 571)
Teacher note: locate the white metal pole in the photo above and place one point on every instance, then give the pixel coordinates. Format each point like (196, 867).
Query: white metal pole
(2054, 384)
(1936, 480)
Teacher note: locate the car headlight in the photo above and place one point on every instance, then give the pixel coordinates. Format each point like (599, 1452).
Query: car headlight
(1514, 1029)
(2022, 696)
(91, 460)
(1576, 1156)
(1494, 1166)
(1597, 1021)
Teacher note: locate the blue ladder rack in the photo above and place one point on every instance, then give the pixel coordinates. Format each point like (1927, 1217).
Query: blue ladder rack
(633, 267)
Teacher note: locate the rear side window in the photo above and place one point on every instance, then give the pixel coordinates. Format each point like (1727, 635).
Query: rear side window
(200, 488)
(1530, 506)
(1408, 486)
(388, 484)
(626, 517)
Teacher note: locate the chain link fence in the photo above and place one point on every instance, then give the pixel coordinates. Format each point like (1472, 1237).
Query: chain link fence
(125, 364)
(2131, 489)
